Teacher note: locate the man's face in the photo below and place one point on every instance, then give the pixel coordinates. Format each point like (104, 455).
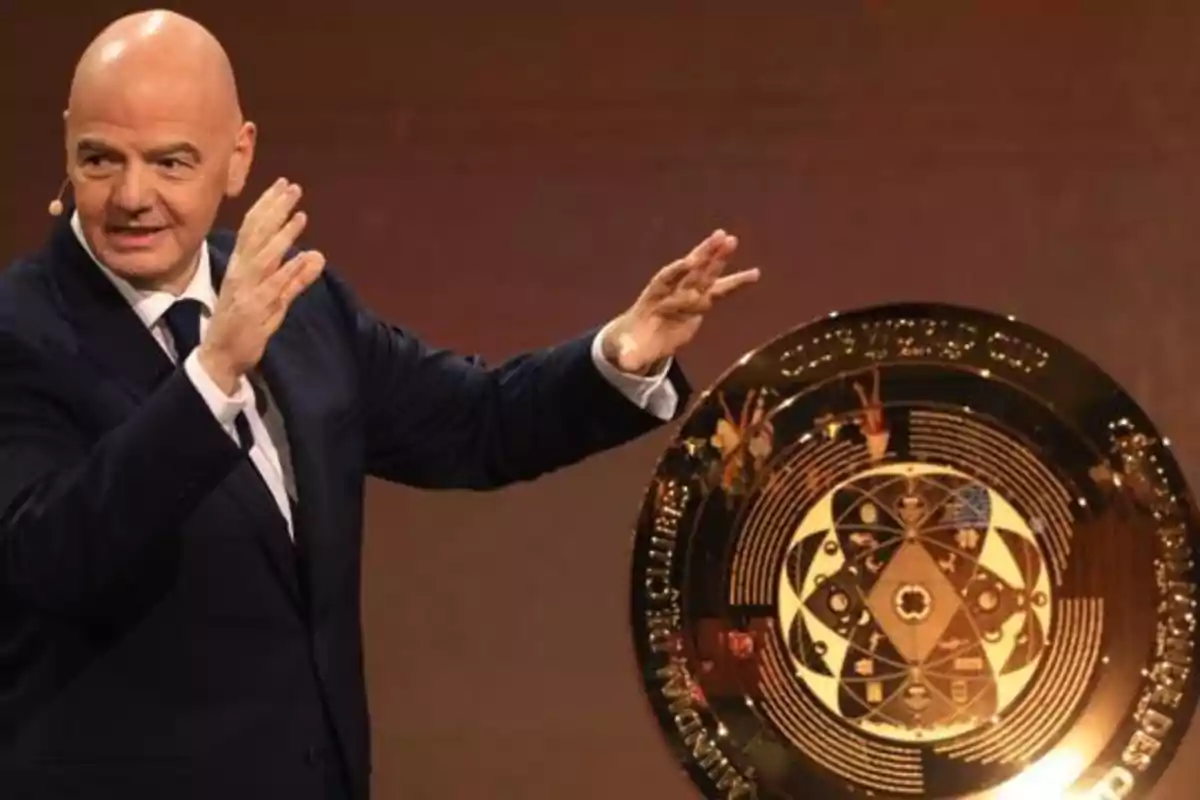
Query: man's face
(150, 164)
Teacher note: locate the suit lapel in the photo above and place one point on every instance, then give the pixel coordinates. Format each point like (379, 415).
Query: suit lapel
(284, 367)
(113, 335)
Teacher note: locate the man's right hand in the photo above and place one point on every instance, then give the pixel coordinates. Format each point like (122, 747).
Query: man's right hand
(257, 289)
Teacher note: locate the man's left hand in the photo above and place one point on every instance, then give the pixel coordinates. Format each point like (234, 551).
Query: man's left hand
(670, 309)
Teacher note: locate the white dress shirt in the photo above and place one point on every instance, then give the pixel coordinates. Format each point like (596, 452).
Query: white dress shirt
(270, 452)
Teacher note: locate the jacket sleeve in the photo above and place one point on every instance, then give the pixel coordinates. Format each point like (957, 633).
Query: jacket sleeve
(90, 526)
(436, 419)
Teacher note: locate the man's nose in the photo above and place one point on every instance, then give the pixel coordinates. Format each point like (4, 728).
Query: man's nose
(133, 190)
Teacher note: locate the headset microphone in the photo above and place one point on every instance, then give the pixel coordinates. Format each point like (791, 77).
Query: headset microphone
(56, 205)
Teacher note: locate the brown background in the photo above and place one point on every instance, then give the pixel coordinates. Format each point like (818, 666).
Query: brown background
(501, 178)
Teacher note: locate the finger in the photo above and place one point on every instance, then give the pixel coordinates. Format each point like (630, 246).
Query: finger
(670, 275)
(300, 273)
(728, 284)
(720, 257)
(251, 221)
(292, 278)
(277, 246)
(275, 214)
(271, 288)
(272, 215)
(704, 251)
(268, 196)
(311, 265)
(685, 268)
(715, 255)
(685, 301)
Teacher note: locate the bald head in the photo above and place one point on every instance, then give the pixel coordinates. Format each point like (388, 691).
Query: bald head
(156, 50)
(155, 141)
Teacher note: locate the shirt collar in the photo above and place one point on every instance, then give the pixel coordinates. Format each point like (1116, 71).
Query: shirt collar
(150, 305)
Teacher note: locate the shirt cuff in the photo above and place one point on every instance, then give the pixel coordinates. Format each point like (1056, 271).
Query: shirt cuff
(652, 393)
(224, 407)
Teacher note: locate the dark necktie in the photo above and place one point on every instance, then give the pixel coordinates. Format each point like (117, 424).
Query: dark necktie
(183, 320)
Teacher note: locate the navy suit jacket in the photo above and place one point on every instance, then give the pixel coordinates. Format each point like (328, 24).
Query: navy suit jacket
(160, 635)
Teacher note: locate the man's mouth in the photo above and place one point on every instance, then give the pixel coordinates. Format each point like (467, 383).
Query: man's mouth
(133, 236)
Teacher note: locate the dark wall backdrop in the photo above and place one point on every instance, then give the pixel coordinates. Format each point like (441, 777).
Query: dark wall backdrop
(501, 176)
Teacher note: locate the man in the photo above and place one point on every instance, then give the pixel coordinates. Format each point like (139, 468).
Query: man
(187, 419)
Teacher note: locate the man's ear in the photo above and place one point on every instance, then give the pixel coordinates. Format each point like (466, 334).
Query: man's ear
(57, 207)
(70, 161)
(242, 158)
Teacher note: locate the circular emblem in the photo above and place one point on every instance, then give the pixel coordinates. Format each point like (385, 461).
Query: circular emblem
(918, 551)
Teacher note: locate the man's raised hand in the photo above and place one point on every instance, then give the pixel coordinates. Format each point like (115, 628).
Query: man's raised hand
(258, 287)
(668, 312)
